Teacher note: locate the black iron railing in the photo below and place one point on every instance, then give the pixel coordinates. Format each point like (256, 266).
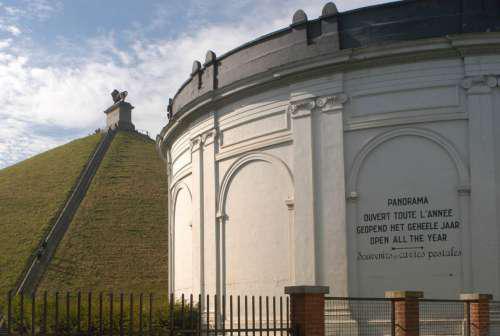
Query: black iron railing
(140, 314)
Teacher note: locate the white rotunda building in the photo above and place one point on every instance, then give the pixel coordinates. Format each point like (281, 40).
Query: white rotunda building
(359, 150)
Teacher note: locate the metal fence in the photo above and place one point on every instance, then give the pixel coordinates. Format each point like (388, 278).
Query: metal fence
(495, 317)
(140, 314)
(358, 316)
(377, 317)
(444, 317)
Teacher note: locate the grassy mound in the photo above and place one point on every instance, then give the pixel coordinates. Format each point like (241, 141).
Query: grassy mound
(32, 193)
(118, 237)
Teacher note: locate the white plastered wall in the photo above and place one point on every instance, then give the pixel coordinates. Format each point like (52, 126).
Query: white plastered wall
(281, 180)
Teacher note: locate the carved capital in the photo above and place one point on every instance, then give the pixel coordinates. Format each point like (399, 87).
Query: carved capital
(305, 107)
(301, 108)
(195, 143)
(463, 190)
(353, 196)
(479, 84)
(209, 136)
(220, 217)
(205, 138)
(331, 103)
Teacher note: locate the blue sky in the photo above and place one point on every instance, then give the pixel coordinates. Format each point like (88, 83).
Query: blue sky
(59, 60)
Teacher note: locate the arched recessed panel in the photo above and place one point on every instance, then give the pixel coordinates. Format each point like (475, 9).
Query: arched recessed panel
(408, 221)
(256, 229)
(182, 241)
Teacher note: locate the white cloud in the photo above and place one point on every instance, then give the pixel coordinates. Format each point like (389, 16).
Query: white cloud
(5, 43)
(70, 94)
(14, 30)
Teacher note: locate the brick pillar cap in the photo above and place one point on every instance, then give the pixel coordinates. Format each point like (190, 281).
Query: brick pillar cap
(475, 296)
(404, 294)
(307, 290)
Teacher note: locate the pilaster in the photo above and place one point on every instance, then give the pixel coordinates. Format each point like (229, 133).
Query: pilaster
(197, 207)
(203, 191)
(304, 238)
(210, 143)
(317, 131)
(483, 213)
(330, 185)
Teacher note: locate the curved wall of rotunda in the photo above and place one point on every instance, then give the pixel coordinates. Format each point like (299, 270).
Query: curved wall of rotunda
(336, 153)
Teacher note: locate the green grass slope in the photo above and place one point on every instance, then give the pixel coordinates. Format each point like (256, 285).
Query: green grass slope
(118, 237)
(32, 193)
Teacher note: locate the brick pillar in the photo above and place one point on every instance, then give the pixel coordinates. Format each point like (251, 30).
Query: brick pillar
(307, 311)
(406, 312)
(479, 313)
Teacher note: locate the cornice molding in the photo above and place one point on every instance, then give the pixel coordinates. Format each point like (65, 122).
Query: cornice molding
(347, 60)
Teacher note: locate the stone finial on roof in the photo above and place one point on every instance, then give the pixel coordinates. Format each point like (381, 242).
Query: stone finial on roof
(329, 9)
(196, 67)
(169, 108)
(299, 17)
(210, 57)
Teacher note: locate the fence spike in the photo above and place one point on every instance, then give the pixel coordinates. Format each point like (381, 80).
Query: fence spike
(121, 315)
(208, 313)
(260, 312)
(287, 312)
(267, 315)
(200, 311)
(9, 312)
(100, 315)
(274, 315)
(216, 314)
(246, 315)
(111, 326)
(67, 305)
(44, 314)
(223, 315)
(131, 315)
(89, 313)
(231, 314)
(79, 312)
(21, 309)
(33, 313)
(56, 317)
(182, 311)
(171, 312)
(238, 302)
(253, 315)
(281, 315)
(150, 317)
(191, 312)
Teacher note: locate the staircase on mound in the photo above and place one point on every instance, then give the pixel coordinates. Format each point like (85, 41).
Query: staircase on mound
(47, 247)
